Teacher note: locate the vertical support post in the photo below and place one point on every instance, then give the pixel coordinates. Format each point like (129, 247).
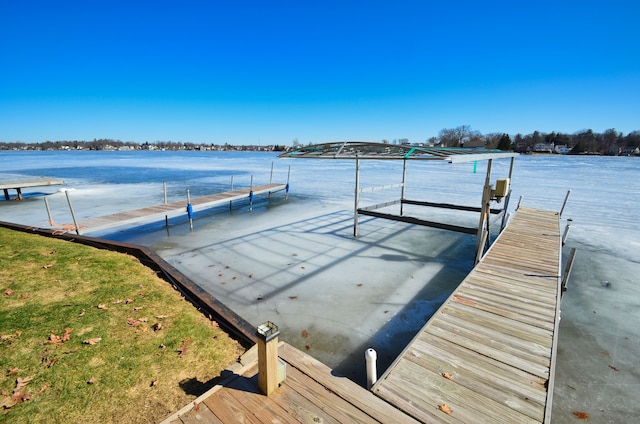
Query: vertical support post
(251, 195)
(567, 270)
(73, 214)
(505, 213)
(566, 198)
(46, 205)
(268, 357)
(166, 217)
(19, 191)
(566, 231)
(519, 202)
(484, 211)
(6, 194)
(286, 192)
(231, 189)
(164, 189)
(356, 199)
(404, 182)
(370, 358)
(271, 175)
(189, 210)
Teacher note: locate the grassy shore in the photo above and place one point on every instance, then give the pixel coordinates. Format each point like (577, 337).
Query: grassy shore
(93, 336)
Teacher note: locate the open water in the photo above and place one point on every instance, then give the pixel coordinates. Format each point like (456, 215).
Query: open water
(597, 370)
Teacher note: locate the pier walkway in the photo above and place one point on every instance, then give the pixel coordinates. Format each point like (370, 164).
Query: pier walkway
(169, 210)
(487, 355)
(19, 182)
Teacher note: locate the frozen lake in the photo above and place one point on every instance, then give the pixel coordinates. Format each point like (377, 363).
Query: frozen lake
(295, 262)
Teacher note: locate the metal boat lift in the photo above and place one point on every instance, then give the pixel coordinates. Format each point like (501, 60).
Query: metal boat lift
(381, 151)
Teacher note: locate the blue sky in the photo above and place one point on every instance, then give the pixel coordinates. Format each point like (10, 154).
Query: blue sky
(269, 72)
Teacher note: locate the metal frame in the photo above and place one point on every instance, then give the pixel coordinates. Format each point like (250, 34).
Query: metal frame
(358, 150)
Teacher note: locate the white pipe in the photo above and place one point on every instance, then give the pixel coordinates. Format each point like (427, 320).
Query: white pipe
(370, 357)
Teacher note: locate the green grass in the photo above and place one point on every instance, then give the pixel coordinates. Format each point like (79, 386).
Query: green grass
(135, 373)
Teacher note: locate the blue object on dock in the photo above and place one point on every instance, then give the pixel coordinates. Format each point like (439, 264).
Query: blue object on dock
(189, 210)
(287, 188)
(251, 196)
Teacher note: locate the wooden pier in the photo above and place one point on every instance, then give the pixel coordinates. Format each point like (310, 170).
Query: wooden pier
(19, 183)
(311, 393)
(487, 355)
(170, 210)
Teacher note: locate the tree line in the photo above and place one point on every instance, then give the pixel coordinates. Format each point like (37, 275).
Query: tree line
(609, 142)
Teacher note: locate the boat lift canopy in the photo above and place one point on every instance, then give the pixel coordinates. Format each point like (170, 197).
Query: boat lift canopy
(358, 150)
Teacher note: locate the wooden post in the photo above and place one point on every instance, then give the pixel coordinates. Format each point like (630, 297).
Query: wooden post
(46, 205)
(268, 357)
(73, 214)
(484, 213)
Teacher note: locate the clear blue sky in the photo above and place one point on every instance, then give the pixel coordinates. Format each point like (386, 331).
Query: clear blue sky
(271, 71)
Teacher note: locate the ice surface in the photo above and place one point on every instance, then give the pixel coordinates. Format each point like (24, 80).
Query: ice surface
(296, 263)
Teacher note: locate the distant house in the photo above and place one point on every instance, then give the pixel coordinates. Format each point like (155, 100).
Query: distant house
(562, 149)
(543, 147)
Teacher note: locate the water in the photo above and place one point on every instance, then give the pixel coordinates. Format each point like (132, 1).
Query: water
(295, 261)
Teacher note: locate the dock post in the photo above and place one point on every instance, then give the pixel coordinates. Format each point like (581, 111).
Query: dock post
(251, 195)
(357, 199)
(565, 203)
(567, 270)
(286, 193)
(73, 214)
(268, 357)
(46, 205)
(231, 189)
(482, 235)
(370, 358)
(189, 210)
(566, 231)
(404, 179)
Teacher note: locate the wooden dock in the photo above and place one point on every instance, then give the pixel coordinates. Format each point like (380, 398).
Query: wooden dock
(488, 354)
(311, 393)
(19, 183)
(170, 210)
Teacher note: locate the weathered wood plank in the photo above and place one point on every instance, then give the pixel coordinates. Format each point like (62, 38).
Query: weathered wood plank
(362, 399)
(494, 335)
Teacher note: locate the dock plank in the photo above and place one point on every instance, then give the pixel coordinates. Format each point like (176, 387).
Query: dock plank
(173, 209)
(494, 337)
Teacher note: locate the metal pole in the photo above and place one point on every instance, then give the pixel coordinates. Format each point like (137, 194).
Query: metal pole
(565, 202)
(231, 189)
(251, 195)
(271, 175)
(46, 205)
(356, 199)
(189, 210)
(566, 231)
(73, 214)
(286, 195)
(164, 187)
(404, 179)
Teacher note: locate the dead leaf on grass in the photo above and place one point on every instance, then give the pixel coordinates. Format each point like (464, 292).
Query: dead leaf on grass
(157, 326)
(161, 316)
(92, 341)
(12, 371)
(8, 292)
(183, 349)
(117, 301)
(81, 314)
(92, 380)
(128, 301)
(43, 388)
(137, 308)
(101, 306)
(47, 266)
